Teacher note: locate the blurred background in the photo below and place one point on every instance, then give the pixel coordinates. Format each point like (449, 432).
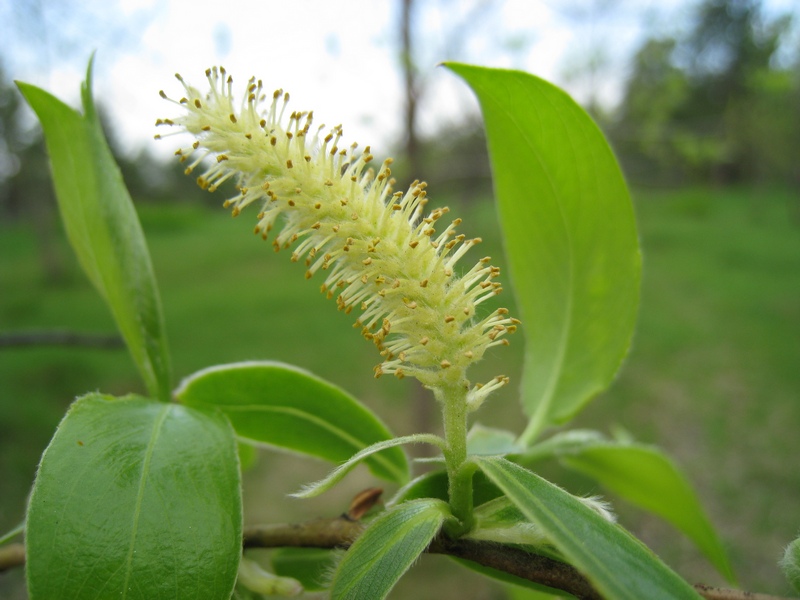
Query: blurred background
(699, 98)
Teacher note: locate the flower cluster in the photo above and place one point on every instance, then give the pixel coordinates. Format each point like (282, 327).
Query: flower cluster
(383, 254)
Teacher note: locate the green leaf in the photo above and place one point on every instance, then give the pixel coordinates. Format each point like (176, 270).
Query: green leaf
(10, 535)
(135, 499)
(570, 237)
(616, 563)
(790, 563)
(487, 440)
(323, 485)
(103, 228)
(310, 566)
(386, 549)
(280, 405)
(248, 456)
(501, 521)
(646, 477)
(560, 443)
(433, 484)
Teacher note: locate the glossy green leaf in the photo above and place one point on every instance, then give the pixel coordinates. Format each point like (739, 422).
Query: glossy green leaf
(570, 239)
(790, 563)
(323, 485)
(386, 550)
(103, 228)
(646, 477)
(310, 566)
(616, 563)
(135, 499)
(280, 405)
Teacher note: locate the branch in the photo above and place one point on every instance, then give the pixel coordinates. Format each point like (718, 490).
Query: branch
(12, 555)
(59, 338)
(340, 532)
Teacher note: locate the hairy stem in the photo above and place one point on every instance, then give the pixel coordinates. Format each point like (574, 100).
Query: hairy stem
(453, 399)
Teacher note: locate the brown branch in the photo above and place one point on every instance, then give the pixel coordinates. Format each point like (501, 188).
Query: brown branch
(11, 556)
(342, 531)
(59, 338)
(716, 593)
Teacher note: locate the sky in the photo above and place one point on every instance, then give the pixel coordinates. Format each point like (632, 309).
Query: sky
(339, 58)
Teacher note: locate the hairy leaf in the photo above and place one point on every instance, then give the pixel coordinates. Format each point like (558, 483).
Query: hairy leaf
(790, 563)
(335, 476)
(570, 237)
(135, 499)
(646, 477)
(386, 549)
(617, 564)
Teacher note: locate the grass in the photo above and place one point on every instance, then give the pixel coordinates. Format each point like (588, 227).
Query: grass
(712, 376)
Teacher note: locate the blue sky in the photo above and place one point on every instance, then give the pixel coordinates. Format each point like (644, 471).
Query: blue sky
(339, 58)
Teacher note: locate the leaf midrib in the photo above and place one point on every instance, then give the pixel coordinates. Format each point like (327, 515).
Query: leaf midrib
(148, 455)
(545, 404)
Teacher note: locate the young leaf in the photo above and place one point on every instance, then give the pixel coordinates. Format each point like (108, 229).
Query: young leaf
(386, 549)
(281, 405)
(646, 477)
(135, 499)
(618, 565)
(570, 237)
(103, 228)
(335, 476)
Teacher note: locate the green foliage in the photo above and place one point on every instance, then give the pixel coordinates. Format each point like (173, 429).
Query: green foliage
(570, 235)
(714, 104)
(283, 406)
(142, 499)
(103, 228)
(386, 549)
(645, 476)
(617, 564)
(135, 499)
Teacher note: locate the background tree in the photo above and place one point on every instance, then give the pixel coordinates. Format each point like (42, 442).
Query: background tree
(713, 105)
